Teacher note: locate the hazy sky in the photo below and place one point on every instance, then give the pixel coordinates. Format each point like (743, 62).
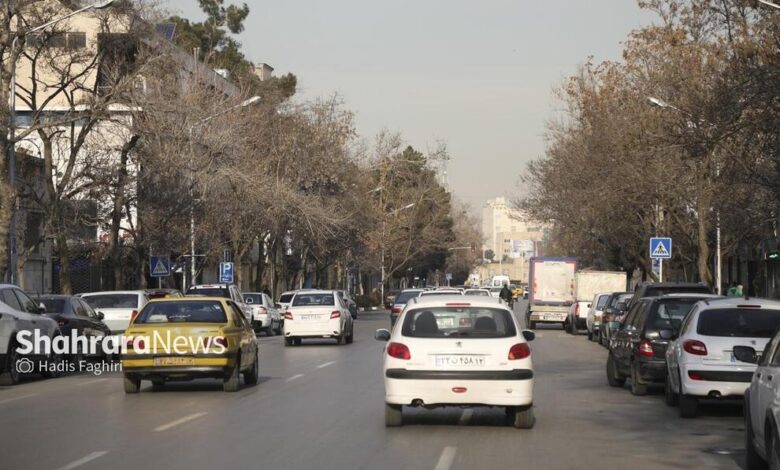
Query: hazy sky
(477, 75)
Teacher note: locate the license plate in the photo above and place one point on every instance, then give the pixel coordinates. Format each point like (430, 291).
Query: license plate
(458, 361)
(446, 322)
(309, 317)
(174, 361)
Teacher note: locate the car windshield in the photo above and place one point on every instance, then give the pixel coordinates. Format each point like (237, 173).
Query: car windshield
(313, 299)
(184, 311)
(445, 322)
(477, 292)
(440, 292)
(669, 314)
(53, 305)
(404, 297)
(256, 299)
(739, 322)
(210, 291)
(112, 300)
(602, 302)
(285, 298)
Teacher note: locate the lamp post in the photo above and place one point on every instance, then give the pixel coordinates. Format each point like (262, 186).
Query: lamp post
(11, 140)
(663, 104)
(243, 104)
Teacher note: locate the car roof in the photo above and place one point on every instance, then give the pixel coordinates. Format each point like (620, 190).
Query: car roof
(315, 291)
(114, 292)
(190, 298)
(672, 284)
(209, 286)
(443, 300)
(733, 302)
(412, 290)
(687, 295)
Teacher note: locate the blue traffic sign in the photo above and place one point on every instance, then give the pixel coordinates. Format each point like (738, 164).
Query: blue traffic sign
(226, 273)
(660, 248)
(159, 266)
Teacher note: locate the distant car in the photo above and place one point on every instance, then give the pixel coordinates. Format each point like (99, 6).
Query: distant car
(595, 312)
(701, 363)
(265, 316)
(20, 313)
(614, 311)
(285, 299)
(440, 292)
(762, 405)
(638, 347)
(458, 351)
(400, 302)
(390, 298)
(218, 342)
(649, 289)
(119, 308)
(496, 292)
(351, 304)
(478, 292)
(228, 291)
(74, 314)
(318, 314)
(163, 293)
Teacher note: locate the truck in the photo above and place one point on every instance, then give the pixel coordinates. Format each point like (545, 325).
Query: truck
(588, 285)
(551, 288)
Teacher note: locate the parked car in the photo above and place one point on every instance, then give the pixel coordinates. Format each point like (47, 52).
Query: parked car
(318, 314)
(400, 302)
(351, 304)
(451, 351)
(265, 315)
(118, 307)
(701, 363)
(762, 405)
(285, 299)
(74, 314)
(613, 314)
(228, 291)
(20, 313)
(638, 348)
(220, 343)
(649, 289)
(595, 312)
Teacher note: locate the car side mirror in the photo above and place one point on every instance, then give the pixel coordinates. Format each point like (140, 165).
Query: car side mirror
(746, 354)
(382, 335)
(529, 335)
(666, 334)
(41, 308)
(101, 315)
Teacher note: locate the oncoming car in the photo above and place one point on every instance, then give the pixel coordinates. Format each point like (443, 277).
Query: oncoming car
(188, 338)
(456, 351)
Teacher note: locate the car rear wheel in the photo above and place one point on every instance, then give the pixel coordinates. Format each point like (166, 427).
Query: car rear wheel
(297, 341)
(11, 375)
(253, 374)
(521, 417)
(288, 341)
(394, 415)
(689, 406)
(614, 377)
(670, 396)
(132, 384)
(351, 336)
(590, 335)
(773, 452)
(232, 382)
(270, 330)
(637, 388)
(278, 329)
(53, 366)
(573, 327)
(753, 461)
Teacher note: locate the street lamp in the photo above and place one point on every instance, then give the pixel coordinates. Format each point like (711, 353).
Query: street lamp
(12, 254)
(663, 104)
(385, 215)
(243, 104)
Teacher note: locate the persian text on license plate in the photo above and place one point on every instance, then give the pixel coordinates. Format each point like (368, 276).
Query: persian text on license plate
(458, 361)
(174, 361)
(309, 317)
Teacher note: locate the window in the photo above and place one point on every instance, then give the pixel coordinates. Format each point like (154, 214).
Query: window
(286, 298)
(313, 299)
(79, 309)
(189, 311)
(27, 303)
(403, 297)
(449, 322)
(238, 315)
(112, 300)
(90, 313)
(739, 322)
(10, 299)
(669, 315)
(771, 348)
(76, 40)
(256, 299)
(53, 305)
(602, 302)
(210, 292)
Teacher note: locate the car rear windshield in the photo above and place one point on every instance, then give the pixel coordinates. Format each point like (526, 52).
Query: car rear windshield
(286, 298)
(602, 302)
(669, 314)
(210, 292)
(112, 301)
(446, 322)
(446, 292)
(189, 311)
(658, 291)
(53, 305)
(256, 299)
(404, 297)
(477, 292)
(739, 322)
(304, 300)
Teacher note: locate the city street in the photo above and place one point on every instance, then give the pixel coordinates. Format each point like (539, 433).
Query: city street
(320, 406)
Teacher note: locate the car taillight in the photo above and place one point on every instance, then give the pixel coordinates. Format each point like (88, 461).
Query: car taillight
(695, 347)
(219, 341)
(577, 309)
(288, 315)
(262, 311)
(133, 314)
(398, 351)
(132, 343)
(335, 314)
(396, 310)
(519, 351)
(62, 321)
(645, 349)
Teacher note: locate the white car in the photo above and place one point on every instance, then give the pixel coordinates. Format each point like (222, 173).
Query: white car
(317, 314)
(265, 316)
(285, 299)
(228, 291)
(439, 293)
(762, 406)
(595, 312)
(458, 351)
(119, 307)
(478, 292)
(701, 361)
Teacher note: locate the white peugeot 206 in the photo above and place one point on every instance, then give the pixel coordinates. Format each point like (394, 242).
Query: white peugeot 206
(458, 351)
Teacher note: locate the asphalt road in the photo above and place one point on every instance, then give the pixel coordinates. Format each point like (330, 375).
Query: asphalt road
(320, 406)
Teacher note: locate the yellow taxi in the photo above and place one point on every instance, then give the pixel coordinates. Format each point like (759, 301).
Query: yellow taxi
(186, 338)
(517, 292)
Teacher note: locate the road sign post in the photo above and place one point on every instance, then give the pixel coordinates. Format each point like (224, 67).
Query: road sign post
(660, 249)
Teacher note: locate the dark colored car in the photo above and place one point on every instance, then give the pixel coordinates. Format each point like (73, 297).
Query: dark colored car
(390, 298)
(649, 289)
(72, 313)
(351, 304)
(638, 347)
(614, 310)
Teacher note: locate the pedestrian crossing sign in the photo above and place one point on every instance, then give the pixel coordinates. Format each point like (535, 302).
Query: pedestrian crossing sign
(660, 248)
(159, 266)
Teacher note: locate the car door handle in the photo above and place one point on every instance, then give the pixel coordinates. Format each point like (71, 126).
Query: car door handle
(768, 378)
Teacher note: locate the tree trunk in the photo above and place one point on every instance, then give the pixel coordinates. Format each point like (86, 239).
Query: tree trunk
(115, 250)
(703, 208)
(64, 254)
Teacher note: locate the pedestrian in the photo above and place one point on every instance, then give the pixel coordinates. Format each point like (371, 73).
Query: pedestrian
(732, 292)
(738, 291)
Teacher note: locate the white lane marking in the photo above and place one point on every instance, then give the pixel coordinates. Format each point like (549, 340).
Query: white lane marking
(179, 421)
(465, 417)
(21, 397)
(294, 377)
(447, 458)
(91, 382)
(83, 460)
(326, 364)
